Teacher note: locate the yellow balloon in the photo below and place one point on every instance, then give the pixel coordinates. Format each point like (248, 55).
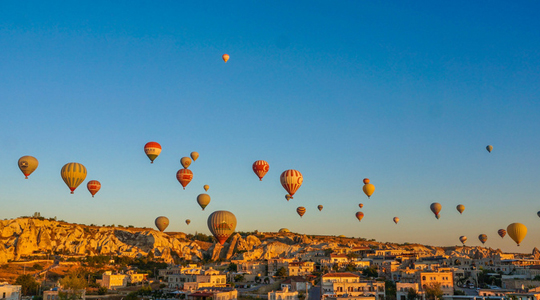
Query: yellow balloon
(517, 232)
(194, 155)
(206, 187)
(161, 223)
(28, 164)
(73, 175)
(203, 200)
(460, 208)
(368, 189)
(186, 162)
(463, 239)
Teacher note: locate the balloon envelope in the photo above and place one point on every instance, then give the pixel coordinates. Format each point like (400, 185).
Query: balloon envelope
(435, 208)
(152, 150)
(368, 189)
(361, 205)
(288, 197)
(73, 175)
(27, 165)
(482, 238)
(460, 208)
(206, 187)
(162, 223)
(225, 57)
(291, 180)
(221, 224)
(188, 221)
(489, 148)
(463, 239)
(359, 215)
(194, 155)
(517, 232)
(320, 207)
(93, 187)
(366, 180)
(301, 211)
(185, 161)
(260, 168)
(203, 200)
(502, 232)
(396, 220)
(184, 176)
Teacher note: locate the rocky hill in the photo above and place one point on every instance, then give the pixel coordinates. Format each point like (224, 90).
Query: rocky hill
(24, 237)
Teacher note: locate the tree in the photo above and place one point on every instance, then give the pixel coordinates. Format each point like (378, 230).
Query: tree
(350, 267)
(433, 291)
(232, 267)
(102, 290)
(281, 272)
(390, 288)
(412, 294)
(239, 277)
(335, 267)
(28, 284)
(74, 285)
(370, 272)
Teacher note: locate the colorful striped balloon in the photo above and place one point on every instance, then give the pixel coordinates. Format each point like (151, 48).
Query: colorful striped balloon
(260, 168)
(291, 180)
(222, 224)
(73, 175)
(301, 211)
(93, 187)
(184, 176)
(152, 150)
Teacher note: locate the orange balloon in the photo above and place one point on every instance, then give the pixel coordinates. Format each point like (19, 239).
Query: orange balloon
(225, 57)
(291, 180)
(359, 215)
(184, 176)
(260, 168)
(366, 180)
(93, 187)
(301, 211)
(361, 205)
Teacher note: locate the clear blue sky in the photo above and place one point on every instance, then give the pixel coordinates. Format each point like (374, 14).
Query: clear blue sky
(406, 94)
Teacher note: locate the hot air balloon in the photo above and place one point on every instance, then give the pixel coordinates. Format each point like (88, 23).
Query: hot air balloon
(188, 221)
(368, 188)
(284, 230)
(538, 214)
(396, 220)
(517, 232)
(194, 155)
(162, 223)
(435, 208)
(221, 224)
(206, 187)
(361, 205)
(502, 232)
(291, 180)
(359, 215)
(93, 187)
(260, 168)
(301, 211)
(320, 207)
(482, 238)
(460, 208)
(184, 176)
(203, 200)
(185, 161)
(225, 57)
(28, 164)
(152, 150)
(463, 239)
(73, 175)
(288, 197)
(366, 180)
(489, 148)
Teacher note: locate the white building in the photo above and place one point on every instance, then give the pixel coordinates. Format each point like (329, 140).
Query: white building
(284, 294)
(10, 292)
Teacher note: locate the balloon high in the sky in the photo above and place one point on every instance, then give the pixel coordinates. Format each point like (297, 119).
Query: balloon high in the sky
(184, 176)
(185, 161)
(435, 208)
(93, 187)
(225, 57)
(260, 168)
(368, 188)
(517, 232)
(460, 208)
(221, 224)
(538, 214)
(291, 180)
(502, 232)
(152, 150)
(463, 239)
(206, 187)
(28, 164)
(162, 223)
(73, 175)
(396, 220)
(320, 207)
(359, 215)
(489, 148)
(188, 221)
(301, 211)
(288, 197)
(203, 200)
(482, 238)
(194, 155)
(361, 205)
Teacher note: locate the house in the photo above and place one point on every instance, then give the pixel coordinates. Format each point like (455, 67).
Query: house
(445, 279)
(301, 268)
(111, 281)
(339, 285)
(214, 294)
(284, 294)
(52, 294)
(10, 292)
